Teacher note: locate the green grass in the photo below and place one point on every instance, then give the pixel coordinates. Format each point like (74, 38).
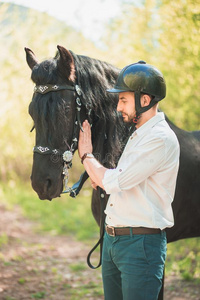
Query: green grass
(3, 239)
(39, 295)
(183, 258)
(79, 267)
(63, 215)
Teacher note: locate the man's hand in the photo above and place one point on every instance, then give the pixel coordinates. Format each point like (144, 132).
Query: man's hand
(85, 142)
(94, 169)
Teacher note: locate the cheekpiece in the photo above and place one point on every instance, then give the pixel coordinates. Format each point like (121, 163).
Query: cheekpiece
(78, 101)
(78, 89)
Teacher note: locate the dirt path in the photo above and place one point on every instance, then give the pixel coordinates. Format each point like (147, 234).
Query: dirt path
(36, 266)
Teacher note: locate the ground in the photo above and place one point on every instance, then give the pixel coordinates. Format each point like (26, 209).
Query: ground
(42, 266)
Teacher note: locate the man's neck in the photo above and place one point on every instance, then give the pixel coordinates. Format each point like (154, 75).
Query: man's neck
(147, 115)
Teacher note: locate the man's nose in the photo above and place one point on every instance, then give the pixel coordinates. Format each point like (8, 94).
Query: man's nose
(119, 107)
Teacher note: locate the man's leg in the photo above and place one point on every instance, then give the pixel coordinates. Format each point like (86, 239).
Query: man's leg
(110, 273)
(141, 259)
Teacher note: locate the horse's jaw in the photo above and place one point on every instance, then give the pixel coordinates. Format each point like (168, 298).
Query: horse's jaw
(45, 193)
(47, 184)
(49, 195)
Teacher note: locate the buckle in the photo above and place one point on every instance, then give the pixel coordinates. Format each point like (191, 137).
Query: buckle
(112, 229)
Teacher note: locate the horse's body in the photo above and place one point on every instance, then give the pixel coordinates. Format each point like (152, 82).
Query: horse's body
(53, 115)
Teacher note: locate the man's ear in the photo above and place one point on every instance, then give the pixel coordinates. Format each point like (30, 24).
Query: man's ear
(145, 100)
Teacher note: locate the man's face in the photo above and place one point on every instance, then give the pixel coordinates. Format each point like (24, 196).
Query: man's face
(126, 106)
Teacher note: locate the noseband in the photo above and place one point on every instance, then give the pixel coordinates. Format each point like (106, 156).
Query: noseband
(68, 154)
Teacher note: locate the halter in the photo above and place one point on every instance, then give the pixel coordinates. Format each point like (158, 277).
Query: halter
(67, 155)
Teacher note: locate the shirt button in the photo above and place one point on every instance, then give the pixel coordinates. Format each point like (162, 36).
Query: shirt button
(131, 138)
(111, 204)
(120, 170)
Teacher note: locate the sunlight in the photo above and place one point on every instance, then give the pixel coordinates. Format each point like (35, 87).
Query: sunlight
(89, 16)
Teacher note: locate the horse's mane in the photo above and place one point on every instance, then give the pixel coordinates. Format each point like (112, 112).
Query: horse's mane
(94, 77)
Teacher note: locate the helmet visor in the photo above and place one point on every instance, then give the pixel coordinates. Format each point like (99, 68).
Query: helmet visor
(117, 89)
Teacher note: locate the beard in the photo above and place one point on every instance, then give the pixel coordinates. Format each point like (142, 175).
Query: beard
(128, 118)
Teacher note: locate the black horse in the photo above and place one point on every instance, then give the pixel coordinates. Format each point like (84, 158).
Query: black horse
(57, 119)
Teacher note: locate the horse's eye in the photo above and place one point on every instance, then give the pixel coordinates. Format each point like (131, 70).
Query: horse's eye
(32, 128)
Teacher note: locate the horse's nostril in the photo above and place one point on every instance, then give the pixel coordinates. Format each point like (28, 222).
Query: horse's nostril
(48, 184)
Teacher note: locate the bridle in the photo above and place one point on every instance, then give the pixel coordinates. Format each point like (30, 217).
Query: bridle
(67, 155)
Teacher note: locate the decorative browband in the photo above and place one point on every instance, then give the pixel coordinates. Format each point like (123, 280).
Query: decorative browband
(44, 89)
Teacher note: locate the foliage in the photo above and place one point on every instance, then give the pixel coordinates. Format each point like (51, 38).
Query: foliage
(165, 34)
(179, 58)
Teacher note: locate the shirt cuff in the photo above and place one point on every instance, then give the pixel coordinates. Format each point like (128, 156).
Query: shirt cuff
(111, 182)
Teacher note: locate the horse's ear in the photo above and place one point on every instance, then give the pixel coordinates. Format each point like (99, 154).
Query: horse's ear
(66, 63)
(30, 58)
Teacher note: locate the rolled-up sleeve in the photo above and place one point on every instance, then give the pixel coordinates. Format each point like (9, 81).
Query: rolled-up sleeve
(110, 181)
(135, 167)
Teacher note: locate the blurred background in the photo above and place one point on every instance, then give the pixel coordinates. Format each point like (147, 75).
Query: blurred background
(164, 33)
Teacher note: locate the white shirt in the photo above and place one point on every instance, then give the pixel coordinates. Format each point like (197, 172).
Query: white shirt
(142, 186)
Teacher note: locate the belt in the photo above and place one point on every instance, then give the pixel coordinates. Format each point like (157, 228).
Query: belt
(113, 231)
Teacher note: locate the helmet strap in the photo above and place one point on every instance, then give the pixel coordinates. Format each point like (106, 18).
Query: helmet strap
(136, 118)
(139, 109)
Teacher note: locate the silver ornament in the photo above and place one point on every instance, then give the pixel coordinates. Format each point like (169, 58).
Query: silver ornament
(67, 156)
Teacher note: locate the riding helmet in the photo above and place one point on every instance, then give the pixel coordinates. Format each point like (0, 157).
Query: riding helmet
(141, 78)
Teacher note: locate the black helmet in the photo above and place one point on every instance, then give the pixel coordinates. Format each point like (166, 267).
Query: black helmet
(141, 78)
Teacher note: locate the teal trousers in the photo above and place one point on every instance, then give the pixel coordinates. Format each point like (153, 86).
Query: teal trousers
(133, 265)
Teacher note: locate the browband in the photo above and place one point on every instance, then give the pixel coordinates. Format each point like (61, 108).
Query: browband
(44, 89)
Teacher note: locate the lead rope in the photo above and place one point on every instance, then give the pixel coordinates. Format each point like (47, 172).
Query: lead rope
(100, 241)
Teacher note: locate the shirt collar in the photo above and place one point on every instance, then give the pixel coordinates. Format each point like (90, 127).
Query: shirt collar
(150, 123)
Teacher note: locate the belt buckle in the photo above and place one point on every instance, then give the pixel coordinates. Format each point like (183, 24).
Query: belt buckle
(112, 229)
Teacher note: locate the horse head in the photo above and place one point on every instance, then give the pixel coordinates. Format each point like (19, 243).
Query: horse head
(54, 112)
(68, 89)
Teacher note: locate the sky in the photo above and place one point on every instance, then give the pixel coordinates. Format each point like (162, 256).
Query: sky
(88, 16)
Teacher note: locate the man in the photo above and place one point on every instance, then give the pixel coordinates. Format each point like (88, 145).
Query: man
(141, 188)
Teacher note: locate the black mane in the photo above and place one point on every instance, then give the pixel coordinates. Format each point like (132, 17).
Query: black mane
(95, 77)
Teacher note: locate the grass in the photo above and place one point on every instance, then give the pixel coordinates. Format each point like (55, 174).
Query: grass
(67, 216)
(183, 258)
(63, 215)
(39, 295)
(3, 239)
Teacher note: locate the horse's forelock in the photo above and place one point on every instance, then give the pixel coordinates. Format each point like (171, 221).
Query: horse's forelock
(50, 117)
(45, 72)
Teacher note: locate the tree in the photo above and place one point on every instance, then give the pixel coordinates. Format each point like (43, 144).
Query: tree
(166, 34)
